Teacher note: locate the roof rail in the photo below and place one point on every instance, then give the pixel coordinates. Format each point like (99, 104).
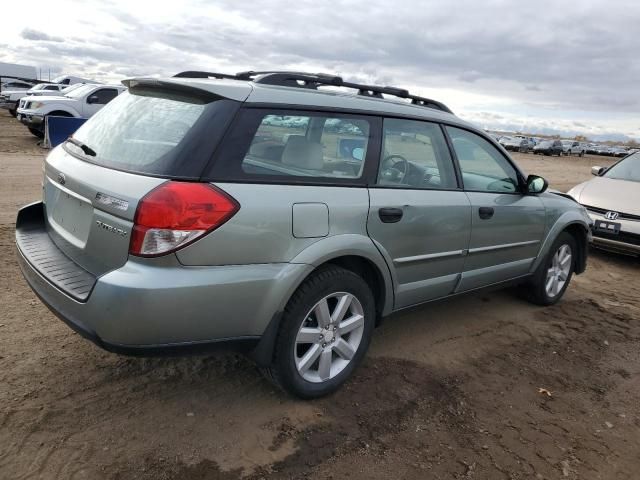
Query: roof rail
(199, 74)
(315, 80)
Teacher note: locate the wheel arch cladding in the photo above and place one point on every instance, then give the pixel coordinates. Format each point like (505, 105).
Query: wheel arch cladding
(572, 221)
(63, 113)
(362, 265)
(579, 233)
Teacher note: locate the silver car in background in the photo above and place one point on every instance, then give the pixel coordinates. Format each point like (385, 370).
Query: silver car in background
(613, 202)
(263, 211)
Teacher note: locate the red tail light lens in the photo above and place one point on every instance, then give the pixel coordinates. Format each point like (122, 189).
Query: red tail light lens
(176, 214)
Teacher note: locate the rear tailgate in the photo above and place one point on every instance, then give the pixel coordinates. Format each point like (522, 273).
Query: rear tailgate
(90, 209)
(156, 132)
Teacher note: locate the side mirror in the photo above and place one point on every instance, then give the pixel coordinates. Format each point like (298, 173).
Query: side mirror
(597, 171)
(357, 153)
(93, 99)
(536, 184)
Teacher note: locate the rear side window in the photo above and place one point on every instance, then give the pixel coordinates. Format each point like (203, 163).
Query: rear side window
(270, 145)
(154, 131)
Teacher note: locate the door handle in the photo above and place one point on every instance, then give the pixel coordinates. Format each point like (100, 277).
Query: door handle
(390, 215)
(485, 212)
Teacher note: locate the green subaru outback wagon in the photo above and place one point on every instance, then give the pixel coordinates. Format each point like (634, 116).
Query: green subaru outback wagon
(284, 214)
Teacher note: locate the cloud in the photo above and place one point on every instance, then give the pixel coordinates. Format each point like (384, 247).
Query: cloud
(507, 53)
(30, 34)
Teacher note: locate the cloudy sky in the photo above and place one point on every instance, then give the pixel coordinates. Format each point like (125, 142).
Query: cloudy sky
(543, 66)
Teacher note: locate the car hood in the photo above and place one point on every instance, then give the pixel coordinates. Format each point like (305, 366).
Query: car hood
(52, 99)
(610, 194)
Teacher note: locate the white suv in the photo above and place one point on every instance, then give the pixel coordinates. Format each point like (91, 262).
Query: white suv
(9, 99)
(82, 102)
(574, 148)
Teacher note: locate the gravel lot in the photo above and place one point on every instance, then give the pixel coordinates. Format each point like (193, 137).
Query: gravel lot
(449, 390)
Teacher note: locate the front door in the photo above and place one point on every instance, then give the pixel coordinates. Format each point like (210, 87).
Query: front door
(419, 218)
(507, 226)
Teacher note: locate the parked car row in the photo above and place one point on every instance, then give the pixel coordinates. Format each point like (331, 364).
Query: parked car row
(65, 97)
(546, 146)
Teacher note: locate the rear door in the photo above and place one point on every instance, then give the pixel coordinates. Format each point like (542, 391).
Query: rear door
(506, 226)
(418, 217)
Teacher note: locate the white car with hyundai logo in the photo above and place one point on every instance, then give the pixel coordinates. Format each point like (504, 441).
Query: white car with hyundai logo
(613, 202)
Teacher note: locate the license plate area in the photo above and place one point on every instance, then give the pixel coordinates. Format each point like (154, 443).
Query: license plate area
(612, 228)
(69, 214)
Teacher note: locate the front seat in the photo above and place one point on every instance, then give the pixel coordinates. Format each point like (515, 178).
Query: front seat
(300, 152)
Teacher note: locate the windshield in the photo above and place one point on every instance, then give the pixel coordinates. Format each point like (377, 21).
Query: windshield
(153, 132)
(80, 91)
(627, 169)
(545, 143)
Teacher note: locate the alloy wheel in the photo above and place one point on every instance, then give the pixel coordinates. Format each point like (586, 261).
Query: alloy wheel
(558, 272)
(329, 337)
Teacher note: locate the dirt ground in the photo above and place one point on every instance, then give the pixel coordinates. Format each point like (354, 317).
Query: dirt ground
(483, 387)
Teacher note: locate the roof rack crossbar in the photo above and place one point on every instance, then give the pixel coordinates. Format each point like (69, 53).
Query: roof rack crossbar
(315, 80)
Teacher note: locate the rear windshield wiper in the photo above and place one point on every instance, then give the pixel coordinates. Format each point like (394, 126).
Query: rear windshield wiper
(85, 148)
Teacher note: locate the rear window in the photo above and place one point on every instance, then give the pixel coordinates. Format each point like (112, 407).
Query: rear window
(277, 145)
(151, 131)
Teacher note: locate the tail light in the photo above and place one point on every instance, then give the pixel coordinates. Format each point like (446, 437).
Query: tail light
(176, 214)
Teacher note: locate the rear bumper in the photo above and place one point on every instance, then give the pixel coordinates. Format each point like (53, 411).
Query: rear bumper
(158, 306)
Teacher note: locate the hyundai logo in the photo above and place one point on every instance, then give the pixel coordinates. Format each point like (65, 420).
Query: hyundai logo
(62, 179)
(611, 215)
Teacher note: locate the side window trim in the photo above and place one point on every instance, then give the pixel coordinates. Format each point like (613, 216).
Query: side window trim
(520, 175)
(454, 157)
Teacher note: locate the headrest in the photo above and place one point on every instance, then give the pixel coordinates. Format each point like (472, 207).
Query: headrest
(300, 152)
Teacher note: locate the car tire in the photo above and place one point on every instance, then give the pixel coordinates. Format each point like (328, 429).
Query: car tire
(14, 111)
(36, 132)
(553, 276)
(312, 358)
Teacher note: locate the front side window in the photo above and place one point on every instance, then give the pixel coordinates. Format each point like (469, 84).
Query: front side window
(483, 167)
(415, 155)
(302, 145)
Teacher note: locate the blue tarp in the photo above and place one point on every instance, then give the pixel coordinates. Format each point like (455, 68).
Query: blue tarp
(60, 128)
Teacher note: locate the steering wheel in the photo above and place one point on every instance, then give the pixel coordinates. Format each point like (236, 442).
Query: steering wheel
(394, 168)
